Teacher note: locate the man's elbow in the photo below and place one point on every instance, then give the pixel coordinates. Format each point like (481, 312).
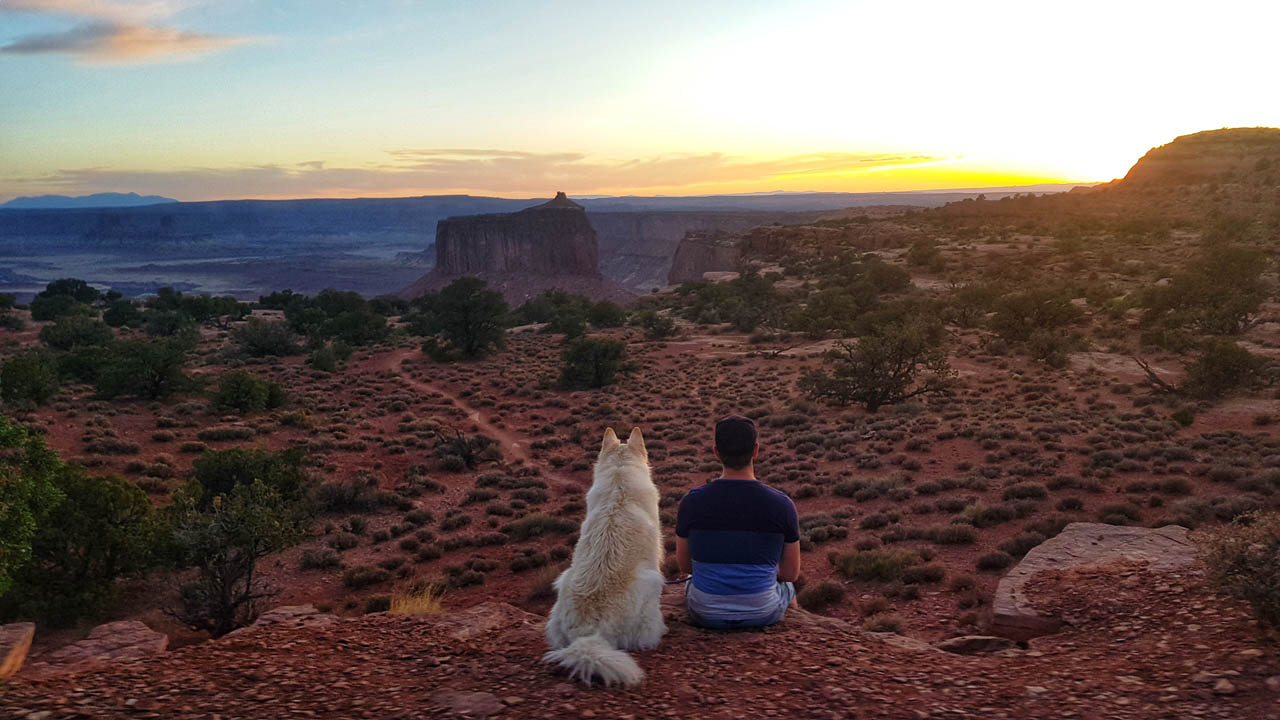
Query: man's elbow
(789, 575)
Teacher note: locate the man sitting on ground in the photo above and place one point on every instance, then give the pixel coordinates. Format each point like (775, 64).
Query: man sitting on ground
(738, 538)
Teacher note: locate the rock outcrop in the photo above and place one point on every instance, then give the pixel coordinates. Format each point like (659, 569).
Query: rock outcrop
(546, 246)
(1212, 156)
(106, 645)
(1081, 545)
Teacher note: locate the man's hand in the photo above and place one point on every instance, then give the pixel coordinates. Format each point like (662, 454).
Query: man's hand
(683, 559)
(789, 568)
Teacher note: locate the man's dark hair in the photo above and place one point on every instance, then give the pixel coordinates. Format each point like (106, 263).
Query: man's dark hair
(735, 441)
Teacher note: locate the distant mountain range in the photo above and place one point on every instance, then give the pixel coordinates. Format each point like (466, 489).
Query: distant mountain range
(99, 200)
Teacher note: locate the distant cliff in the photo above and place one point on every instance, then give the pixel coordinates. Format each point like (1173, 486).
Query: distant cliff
(701, 252)
(553, 238)
(546, 246)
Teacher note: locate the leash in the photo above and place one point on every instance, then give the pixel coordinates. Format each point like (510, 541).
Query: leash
(677, 581)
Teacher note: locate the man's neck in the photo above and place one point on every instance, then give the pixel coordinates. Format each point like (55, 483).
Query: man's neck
(746, 473)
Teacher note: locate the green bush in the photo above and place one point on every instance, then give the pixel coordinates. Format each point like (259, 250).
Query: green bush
(1224, 366)
(1019, 315)
(223, 538)
(465, 320)
(74, 331)
(28, 490)
(655, 326)
(261, 338)
(104, 528)
(995, 561)
(1219, 293)
(243, 392)
(898, 362)
(1243, 561)
(144, 368)
(30, 377)
(49, 308)
(592, 362)
(220, 472)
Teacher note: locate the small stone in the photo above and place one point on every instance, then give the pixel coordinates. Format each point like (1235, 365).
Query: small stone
(512, 700)
(1037, 690)
(1224, 687)
(1273, 683)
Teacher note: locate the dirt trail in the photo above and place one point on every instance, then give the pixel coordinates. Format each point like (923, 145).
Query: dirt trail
(513, 446)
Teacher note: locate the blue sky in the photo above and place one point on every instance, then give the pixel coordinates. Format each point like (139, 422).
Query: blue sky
(236, 98)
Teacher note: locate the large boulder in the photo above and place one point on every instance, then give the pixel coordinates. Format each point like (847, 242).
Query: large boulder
(15, 641)
(1082, 545)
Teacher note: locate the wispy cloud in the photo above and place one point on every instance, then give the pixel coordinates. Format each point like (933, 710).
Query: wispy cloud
(115, 32)
(506, 172)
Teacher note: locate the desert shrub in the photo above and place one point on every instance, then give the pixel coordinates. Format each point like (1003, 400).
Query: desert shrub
(1020, 545)
(1219, 293)
(223, 538)
(898, 362)
(1070, 503)
(1018, 315)
(100, 529)
(995, 561)
(883, 622)
(464, 320)
(343, 541)
(363, 576)
(220, 472)
(953, 535)
(144, 368)
(47, 309)
(923, 574)
(319, 560)
(592, 362)
(818, 598)
(73, 331)
(358, 328)
(655, 326)
(877, 565)
(1221, 367)
(123, 313)
(263, 338)
(538, 524)
(29, 377)
(420, 597)
(243, 392)
(1026, 491)
(1243, 561)
(225, 434)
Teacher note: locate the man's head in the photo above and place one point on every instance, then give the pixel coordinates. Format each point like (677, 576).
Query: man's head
(736, 441)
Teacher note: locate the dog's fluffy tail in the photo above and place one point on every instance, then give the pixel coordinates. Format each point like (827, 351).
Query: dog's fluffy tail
(593, 656)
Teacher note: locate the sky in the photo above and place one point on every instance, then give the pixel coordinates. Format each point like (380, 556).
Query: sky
(216, 99)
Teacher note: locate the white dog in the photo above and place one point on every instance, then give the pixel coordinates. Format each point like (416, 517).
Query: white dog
(608, 599)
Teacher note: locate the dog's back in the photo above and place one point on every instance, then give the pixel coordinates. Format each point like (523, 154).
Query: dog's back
(608, 598)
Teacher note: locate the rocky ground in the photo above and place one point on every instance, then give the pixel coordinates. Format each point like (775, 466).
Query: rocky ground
(1140, 643)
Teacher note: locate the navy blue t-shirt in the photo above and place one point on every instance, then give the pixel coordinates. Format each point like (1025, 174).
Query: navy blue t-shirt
(736, 530)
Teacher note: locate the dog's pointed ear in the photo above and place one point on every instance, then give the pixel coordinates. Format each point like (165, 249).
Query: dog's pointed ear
(610, 439)
(636, 442)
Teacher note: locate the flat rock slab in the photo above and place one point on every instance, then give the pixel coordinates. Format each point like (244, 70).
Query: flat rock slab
(467, 704)
(292, 615)
(107, 644)
(975, 644)
(1082, 545)
(15, 641)
(486, 619)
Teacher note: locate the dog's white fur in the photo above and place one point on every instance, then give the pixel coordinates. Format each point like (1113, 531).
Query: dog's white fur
(608, 600)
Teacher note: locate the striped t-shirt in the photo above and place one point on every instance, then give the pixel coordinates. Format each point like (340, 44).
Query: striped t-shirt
(736, 530)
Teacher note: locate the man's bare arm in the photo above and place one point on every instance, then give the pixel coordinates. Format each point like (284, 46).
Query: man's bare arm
(683, 559)
(789, 568)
